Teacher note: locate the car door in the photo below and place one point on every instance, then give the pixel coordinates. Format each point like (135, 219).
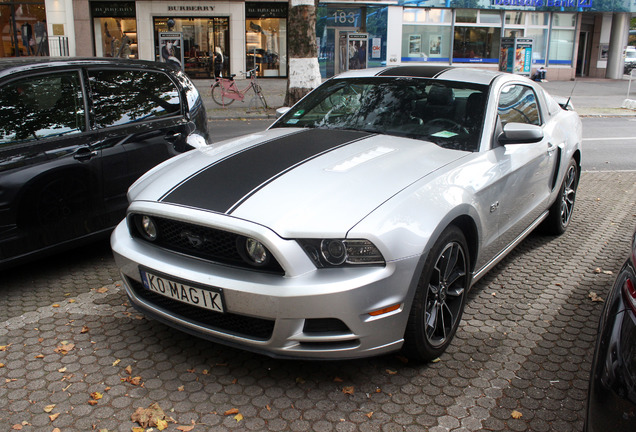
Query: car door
(139, 114)
(525, 169)
(49, 173)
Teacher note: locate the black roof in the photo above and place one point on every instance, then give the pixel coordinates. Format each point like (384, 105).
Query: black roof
(9, 65)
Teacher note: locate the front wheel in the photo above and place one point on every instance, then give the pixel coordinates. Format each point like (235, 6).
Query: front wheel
(217, 95)
(561, 211)
(439, 300)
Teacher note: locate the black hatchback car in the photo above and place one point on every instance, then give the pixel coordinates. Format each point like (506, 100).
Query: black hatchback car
(74, 135)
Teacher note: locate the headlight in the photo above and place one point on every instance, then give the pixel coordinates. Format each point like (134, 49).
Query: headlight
(339, 252)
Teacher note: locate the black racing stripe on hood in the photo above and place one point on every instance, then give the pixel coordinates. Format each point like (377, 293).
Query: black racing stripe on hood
(221, 186)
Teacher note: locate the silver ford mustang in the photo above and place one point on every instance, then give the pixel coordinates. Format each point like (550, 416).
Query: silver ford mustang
(354, 225)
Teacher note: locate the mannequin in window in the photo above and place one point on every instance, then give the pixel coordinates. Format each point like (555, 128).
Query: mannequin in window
(41, 39)
(218, 62)
(27, 35)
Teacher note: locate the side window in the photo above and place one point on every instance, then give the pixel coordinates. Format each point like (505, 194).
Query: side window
(518, 104)
(40, 107)
(121, 97)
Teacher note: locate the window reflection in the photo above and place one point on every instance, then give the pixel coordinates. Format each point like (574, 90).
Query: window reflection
(41, 107)
(132, 96)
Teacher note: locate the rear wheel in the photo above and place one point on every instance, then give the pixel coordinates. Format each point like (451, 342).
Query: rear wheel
(561, 211)
(439, 300)
(217, 95)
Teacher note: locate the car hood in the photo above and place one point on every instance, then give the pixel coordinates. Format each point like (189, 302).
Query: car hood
(297, 182)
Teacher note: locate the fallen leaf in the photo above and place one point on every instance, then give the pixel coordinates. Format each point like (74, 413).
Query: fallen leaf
(54, 416)
(116, 362)
(369, 414)
(337, 379)
(181, 388)
(191, 370)
(17, 427)
(4, 347)
(56, 430)
(516, 414)
(148, 417)
(162, 424)
(55, 305)
(391, 371)
(128, 370)
(238, 417)
(62, 370)
(205, 372)
(138, 429)
(102, 290)
(49, 408)
(594, 297)
(1, 365)
(84, 329)
(608, 272)
(71, 300)
(64, 348)
(39, 356)
(348, 390)
(231, 411)
(436, 360)
(268, 407)
(97, 395)
(299, 380)
(92, 402)
(185, 428)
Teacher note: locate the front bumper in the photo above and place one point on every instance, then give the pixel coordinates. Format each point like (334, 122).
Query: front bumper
(318, 314)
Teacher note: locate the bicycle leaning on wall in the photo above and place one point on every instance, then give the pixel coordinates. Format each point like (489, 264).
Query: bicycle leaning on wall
(225, 91)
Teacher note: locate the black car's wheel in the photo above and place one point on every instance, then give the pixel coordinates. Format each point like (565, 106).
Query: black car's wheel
(439, 300)
(561, 210)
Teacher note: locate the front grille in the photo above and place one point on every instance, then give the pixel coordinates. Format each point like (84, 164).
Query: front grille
(201, 242)
(238, 325)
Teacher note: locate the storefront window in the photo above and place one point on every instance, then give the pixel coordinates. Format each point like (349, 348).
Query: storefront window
(515, 18)
(466, 16)
(115, 29)
(333, 22)
(199, 42)
(476, 44)
(427, 16)
(539, 36)
(426, 43)
(266, 38)
(561, 47)
(23, 29)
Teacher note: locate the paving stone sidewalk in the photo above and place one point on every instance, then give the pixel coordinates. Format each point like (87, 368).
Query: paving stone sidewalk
(75, 356)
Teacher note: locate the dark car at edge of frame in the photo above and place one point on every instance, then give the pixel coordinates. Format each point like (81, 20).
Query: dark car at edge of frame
(74, 135)
(612, 393)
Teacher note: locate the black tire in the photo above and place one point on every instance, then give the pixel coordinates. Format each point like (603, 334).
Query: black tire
(561, 210)
(217, 95)
(440, 297)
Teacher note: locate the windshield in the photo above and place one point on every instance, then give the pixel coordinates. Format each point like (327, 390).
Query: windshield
(449, 114)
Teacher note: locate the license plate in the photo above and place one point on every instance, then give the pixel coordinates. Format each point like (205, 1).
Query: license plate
(206, 298)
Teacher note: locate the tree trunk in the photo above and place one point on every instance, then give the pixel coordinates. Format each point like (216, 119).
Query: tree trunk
(304, 72)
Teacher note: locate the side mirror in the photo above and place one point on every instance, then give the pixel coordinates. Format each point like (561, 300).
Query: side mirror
(282, 111)
(520, 133)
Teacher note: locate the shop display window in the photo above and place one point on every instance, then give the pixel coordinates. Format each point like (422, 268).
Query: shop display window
(23, 30)
(116, 37)
(265, 46)
(206, 43)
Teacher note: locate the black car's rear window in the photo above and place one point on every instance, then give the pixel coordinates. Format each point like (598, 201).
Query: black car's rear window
(122, 97)
(448, 113)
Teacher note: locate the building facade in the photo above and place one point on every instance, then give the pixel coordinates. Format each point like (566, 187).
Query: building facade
(567, 37)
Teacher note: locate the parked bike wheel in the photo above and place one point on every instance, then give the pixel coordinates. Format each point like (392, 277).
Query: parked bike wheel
(217, 95)
(259, 92)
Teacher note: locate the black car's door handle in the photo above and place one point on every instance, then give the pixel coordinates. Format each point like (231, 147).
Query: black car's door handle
(173, 136)
(84, 153)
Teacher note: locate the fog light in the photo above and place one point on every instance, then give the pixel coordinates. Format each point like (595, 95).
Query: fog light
(256, 252)
(149, 229)
(385, 310)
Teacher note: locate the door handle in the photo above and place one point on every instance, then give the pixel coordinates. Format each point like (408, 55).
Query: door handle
(551, 148)
(84, 153)
(173, 136)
